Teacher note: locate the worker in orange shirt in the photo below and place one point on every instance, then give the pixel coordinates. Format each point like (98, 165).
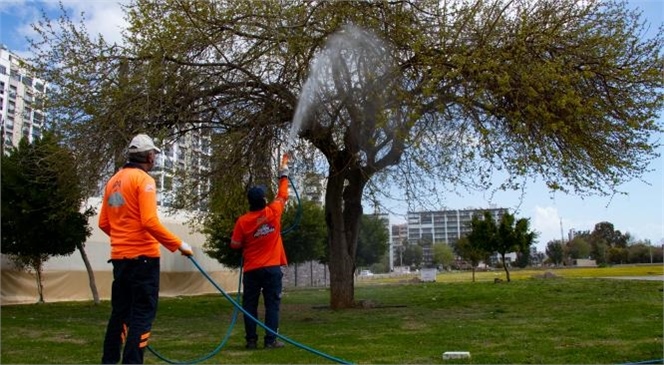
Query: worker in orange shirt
(129, 216)
(258, 234)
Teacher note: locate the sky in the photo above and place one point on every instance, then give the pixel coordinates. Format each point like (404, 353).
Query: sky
(640, 211)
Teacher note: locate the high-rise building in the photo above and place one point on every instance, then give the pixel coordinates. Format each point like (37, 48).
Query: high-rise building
(188, 156)
(22, 97)
(444, 226)
(21, 100)
(311, 187)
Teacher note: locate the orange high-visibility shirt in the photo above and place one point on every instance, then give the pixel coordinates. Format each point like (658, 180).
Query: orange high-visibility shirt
(129, 216)
(258, 233)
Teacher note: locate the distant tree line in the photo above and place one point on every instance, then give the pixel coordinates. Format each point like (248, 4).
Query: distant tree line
(490, 237)
(605, 245)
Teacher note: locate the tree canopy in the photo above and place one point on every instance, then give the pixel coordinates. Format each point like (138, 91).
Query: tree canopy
(307, 238)
(372, 242)
(502, 235)
(411, 95)
(472, 248)
(41, 203)
(555, 250)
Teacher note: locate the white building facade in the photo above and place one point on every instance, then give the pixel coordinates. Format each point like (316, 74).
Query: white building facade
(22, 98)
(444, 226)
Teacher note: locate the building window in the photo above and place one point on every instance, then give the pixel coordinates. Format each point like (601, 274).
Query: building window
(39, 103)
(37, 118)
(27, 113)
(14, 75)
(27, 81)
(39, 86)
(3, 70)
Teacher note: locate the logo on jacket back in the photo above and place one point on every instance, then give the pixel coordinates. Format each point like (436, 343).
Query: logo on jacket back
(116, 200)
(264, 230)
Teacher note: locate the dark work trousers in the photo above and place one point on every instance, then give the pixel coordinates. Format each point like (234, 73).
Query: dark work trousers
(267, 280)
(134, 298)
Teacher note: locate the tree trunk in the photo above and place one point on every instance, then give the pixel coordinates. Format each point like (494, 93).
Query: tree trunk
(473, 274)
(507, 272)
(91, 274)
(295, 272)
(343, 210)
(37, 266)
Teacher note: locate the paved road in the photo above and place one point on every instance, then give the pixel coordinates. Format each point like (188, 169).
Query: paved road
(650, 277)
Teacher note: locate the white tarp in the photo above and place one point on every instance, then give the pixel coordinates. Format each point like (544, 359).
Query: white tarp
(66, 279)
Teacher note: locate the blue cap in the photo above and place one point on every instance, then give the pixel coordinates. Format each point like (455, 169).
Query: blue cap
(256, 197)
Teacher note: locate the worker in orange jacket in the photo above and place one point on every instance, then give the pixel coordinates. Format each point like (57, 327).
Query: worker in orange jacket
(258, 234)
(129, 216)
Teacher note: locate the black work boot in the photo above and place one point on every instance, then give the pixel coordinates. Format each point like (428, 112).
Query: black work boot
(251, 345)
(274, 345)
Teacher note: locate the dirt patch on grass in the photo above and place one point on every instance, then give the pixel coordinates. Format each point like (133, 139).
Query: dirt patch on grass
(547, 275)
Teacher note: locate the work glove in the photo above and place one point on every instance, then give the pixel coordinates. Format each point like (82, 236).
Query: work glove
(185, 249)
(283, 171)
(283, 168)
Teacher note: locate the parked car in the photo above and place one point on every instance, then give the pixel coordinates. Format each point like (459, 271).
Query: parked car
(366, 273)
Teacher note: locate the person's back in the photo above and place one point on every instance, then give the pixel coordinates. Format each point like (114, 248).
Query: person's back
(258, 234)
(131, 216)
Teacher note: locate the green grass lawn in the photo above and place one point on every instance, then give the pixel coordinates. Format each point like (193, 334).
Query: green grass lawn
(574, 318)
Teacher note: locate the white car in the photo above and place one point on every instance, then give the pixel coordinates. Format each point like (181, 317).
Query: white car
(366, 273)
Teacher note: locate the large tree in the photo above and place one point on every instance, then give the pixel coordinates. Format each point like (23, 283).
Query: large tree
(555, 250)
(417, 96)
(607, 244)
(578, 248)
(41, 203)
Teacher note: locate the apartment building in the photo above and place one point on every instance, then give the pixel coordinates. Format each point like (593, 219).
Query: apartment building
(21, 109)
(21, 100)
(311, 187)
(187, 157)
(444, 226)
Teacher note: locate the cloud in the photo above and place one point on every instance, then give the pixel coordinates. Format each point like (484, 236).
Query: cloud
(104, 18)
(546, 221)
(101, 17)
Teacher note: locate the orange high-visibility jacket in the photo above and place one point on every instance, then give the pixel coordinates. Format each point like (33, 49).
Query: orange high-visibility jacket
(129, 216)
(258, 233)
